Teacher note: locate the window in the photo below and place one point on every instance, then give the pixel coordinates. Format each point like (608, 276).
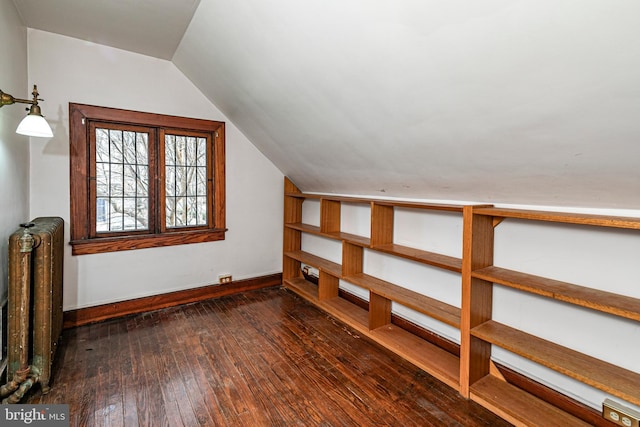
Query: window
(142, 180)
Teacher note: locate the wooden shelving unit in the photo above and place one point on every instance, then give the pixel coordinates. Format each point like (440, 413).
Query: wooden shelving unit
(473, 373)
(376, 321)
(479, 331)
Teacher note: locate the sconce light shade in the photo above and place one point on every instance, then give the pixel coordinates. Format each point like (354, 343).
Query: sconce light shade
(34, 125)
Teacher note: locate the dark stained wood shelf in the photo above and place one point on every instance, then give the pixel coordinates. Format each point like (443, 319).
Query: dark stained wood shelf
(437, 309)
(569, 218)
(595, 299)
(317, 262)
(431, 258)
(519, 407)
(609, 378)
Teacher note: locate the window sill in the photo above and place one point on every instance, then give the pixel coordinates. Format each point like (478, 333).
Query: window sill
(117, 244)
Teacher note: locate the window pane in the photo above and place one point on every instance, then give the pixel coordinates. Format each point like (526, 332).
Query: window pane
(130, 180)
(116, 179)
(192, 214)
(143, 181)
(170, 211)
(102, 145)
(192, 182)
(170, 181)
(202, 210)
(202, 181)
(142, 213)
(181, 181)
(170, 149)
(202, 152)
(129, 213)
(122, 176)
(192, 147)
(180, 150)
(185, 182)
(102, 214)
(181, 211)
(115, 212)
(129, 146)
(142, 148)
(102, 179)
(115, 153)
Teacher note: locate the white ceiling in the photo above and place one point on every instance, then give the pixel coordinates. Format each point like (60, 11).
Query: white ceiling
(150, 27)
(501, 101)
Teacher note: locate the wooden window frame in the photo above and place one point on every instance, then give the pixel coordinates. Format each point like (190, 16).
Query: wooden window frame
(84, 239)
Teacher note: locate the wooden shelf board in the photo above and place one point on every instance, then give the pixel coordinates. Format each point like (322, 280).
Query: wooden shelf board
(419, 205)
(570, 218)
(426, 257)
(315, 261)
(517, 406)
(437, 309)
(312, 229)
(432, 359)
(398, 203)
(339, 308)
(303, 288)
(602, 375)
(351, 238)
(347, 312)
(303, 195)
(595, 299)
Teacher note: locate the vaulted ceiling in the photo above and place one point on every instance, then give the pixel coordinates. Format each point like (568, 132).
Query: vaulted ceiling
(501, 101)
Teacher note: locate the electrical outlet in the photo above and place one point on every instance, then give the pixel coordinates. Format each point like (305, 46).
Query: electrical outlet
(621, 415)
(224, 278)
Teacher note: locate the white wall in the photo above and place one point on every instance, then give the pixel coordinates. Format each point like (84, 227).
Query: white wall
(70, 70)
(598, 258)
(14, 148)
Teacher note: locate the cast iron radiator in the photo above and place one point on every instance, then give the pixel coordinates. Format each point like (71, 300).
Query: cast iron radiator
(36, 254)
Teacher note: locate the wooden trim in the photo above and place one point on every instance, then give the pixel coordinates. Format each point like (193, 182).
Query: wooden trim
(143, 241)
(82, 229)
(103, 312)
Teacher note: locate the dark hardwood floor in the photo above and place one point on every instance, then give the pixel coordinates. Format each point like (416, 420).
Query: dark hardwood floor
(261, 358)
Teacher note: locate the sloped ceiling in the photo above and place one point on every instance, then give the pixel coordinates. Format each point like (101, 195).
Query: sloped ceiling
(501, 101)
(150, 27)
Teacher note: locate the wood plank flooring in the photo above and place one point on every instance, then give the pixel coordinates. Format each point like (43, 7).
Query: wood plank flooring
(260, 358)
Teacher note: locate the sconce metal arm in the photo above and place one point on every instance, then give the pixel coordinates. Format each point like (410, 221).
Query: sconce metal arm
(6, 99)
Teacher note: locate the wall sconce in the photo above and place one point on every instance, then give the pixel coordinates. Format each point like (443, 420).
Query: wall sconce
(34, 123)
